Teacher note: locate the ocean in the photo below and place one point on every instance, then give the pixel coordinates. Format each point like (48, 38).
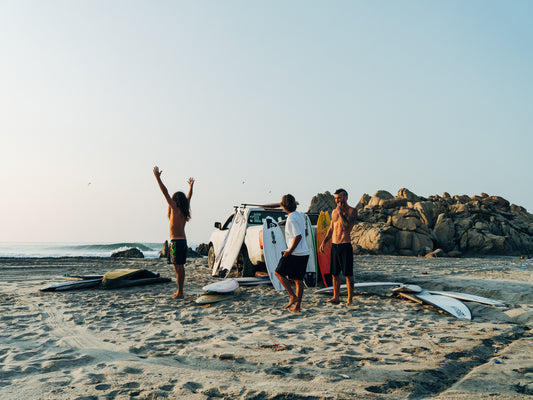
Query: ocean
(21, 249)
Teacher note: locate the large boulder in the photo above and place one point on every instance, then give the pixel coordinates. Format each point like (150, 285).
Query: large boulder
(129, 253)
(380, 197)
(322, 202)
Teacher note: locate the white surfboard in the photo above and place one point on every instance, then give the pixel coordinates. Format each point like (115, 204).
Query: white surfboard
(273, 246)
(311, 271)
(251, 281)
(452, 306)
(408, 288)
(225, 286)
(470, 297)
(358, 285)
(218, 257)
(234, 242)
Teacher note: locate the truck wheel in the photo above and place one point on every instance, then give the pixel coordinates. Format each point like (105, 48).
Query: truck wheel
(244, 265)
(211, 256)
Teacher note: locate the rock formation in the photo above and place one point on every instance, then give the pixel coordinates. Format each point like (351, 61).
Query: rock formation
(322, 202)
(438, 226)
(129, 253)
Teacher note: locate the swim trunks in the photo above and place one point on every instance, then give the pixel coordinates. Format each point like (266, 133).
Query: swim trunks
(293, 267)
(178, 251)
(341, 259)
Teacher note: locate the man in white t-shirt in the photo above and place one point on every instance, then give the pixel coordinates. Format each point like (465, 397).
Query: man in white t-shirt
(293, 263)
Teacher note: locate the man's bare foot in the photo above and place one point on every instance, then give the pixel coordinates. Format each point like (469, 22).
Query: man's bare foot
(349, 302)
(293, 300)
(296, 307)
(177, 295)
(333, 301)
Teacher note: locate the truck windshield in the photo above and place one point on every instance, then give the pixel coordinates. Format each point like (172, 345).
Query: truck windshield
(258, 217)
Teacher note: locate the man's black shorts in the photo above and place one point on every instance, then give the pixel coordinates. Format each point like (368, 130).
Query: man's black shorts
(293, 267)
(341, 259)
(178, 251)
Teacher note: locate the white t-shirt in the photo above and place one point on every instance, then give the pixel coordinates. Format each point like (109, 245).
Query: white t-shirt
(296, 226)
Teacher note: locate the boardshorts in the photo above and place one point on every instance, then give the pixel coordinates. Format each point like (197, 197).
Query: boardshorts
(293, 267)
(178, 251)
(341, 259)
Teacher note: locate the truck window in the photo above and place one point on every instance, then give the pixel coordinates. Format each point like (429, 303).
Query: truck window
(258, 217)
(228, 222)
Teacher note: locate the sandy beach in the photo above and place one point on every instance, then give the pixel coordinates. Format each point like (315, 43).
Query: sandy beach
(140, 343)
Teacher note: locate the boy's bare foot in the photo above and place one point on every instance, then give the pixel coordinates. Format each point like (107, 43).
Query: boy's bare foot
(296, 307)
(333, 301)
(177, 295)
(293, 300)
(349, 302)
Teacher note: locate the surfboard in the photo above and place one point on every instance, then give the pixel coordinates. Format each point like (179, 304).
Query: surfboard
(273, 246)
(408, 288)
(73, 285)
(312, 264)
(470, 297)
(324, 258)
(225, 286)
(452, 306)
(358, 285)
(409, 296)
(81, 277)
(233, 242)
(251, 281)
(216, 297)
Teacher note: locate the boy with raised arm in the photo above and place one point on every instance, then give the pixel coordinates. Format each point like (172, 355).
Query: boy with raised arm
(179, 213)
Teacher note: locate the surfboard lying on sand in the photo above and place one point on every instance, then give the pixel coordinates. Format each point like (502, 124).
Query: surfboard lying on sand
(273, 246)
(358, 285)
(225, 286)
(251, 281)
(452, 306)
(73, 285)
(470, 297)
(209, 298)
(81, 277)
(408, 288)
(322, 227)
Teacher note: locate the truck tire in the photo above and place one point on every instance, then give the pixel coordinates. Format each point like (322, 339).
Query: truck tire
(211, 256)
(245, 267)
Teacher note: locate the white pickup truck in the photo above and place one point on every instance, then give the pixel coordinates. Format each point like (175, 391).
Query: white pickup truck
(251, 257)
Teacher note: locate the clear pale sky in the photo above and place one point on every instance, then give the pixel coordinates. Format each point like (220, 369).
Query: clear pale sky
(254, 99)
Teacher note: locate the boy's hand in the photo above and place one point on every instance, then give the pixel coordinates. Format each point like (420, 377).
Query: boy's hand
(157, 172)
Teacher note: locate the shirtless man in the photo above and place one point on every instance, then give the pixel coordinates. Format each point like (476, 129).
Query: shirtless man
(342, 221)
(179, 213)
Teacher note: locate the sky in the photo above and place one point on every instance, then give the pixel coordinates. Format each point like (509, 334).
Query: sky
(254, 99)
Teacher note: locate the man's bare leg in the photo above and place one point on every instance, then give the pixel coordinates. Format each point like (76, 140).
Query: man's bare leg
(336, 289)
(349, 284)
(287, 285)
(299, 295)
(180, 279)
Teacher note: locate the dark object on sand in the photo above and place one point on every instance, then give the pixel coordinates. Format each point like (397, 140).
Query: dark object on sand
(114, 279)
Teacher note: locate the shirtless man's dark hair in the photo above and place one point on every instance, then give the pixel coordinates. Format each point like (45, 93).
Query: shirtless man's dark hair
(342, 222)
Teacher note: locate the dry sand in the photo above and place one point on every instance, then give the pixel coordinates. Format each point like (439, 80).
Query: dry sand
(139, 343)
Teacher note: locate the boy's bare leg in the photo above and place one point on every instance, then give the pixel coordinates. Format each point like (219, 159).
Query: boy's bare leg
(180, 279)
(336, 289)
(349, 285)
(287, 285)
(299, 295)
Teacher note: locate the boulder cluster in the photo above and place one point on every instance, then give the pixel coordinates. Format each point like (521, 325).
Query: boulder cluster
(437, 226)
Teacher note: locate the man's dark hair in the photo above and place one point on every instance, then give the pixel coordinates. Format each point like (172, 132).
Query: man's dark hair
(341, 191)
(289, 202)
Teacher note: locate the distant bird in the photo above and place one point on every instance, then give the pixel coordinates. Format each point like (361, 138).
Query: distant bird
(88, 183)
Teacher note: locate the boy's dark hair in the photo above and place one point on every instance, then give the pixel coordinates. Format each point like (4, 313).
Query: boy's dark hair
(341, 191)
(182, 202)
(289, 202)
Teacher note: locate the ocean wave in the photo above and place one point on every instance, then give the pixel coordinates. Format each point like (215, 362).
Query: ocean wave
(114, 247)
